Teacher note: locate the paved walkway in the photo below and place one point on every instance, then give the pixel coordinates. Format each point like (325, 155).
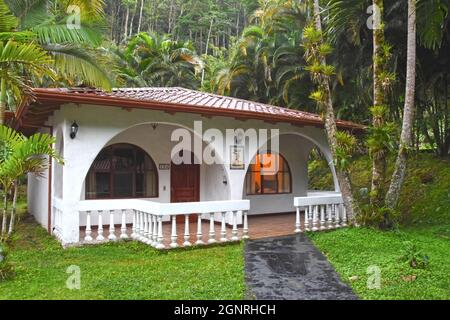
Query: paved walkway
(291, 268)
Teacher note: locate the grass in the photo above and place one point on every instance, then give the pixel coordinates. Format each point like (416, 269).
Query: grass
(352, 251)
(424, 219)
(127, 270)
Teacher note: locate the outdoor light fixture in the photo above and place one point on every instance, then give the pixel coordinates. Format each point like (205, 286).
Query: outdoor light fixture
(225, 182)
(73, 130)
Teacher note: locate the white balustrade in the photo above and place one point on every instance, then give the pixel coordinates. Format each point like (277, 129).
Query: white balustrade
(321, 212)
(148, 217)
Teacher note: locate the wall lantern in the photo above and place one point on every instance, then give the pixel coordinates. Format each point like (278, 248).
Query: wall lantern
(224, 180)
(73, 130)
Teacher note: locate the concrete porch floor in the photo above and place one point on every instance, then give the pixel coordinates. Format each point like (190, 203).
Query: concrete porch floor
(260, 226)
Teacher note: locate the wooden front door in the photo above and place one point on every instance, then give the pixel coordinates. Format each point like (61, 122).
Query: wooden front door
(185, 182)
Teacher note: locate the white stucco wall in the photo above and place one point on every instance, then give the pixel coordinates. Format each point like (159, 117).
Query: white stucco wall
(100, 126)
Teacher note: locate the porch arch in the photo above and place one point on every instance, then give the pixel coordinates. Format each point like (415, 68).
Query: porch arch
(112, 139)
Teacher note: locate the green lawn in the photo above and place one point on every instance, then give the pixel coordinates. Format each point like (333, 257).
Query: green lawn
(352, 251)
(424, 219)
(128, 270)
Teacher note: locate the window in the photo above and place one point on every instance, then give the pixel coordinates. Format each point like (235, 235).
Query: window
(122, 171)
(263, 177)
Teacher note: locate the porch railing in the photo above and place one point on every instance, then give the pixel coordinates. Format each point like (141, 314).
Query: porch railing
(321, 213)
(148, 216)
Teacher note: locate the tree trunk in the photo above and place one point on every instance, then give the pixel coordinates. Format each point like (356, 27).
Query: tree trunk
(379, 163)
(331, 129)
(132, 19)
(5, 209)
(408, 112)
(206, 48)
(127, 15)
(13, 208)
(2, 100)
(140, 17)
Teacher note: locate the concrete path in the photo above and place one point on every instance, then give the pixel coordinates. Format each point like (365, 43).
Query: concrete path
(291, 268)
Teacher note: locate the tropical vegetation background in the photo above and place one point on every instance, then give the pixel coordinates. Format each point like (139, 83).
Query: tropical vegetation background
(381, 63)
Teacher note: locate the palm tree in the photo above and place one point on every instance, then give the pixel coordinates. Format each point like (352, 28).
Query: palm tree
(153, 60)
(39, 35)
(20, 63)
(20, 155)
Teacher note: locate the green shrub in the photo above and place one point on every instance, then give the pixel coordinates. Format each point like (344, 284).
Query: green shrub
(414, 256)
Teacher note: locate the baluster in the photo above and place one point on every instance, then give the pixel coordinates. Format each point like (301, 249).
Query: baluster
(123, 226)
(338, 215)
(87, 236)
(245, 230)
(146, 226)
(307, 210)
(160, 239)
(186, 242)
(234, 231)
(344, 217)
(112, 229)
(138, 225)
(141, 226)
(174, 236)
(223, 229)
(315, 212)
(150, 229)
(199, 230)
(155, 231)
(322, 217)
(100, 227)
(297, 221)
(212, 232)
(330, 217)
(133, 227)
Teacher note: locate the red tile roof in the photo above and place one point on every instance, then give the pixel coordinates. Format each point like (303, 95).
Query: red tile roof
(179, 100)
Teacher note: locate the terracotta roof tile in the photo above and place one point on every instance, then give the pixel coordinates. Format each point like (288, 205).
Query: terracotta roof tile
(188, 99)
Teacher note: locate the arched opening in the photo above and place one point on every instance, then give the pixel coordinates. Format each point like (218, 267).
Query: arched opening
(120, 171)
(320, 177)
(269, 173)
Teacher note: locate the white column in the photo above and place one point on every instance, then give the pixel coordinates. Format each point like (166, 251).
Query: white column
(212, 232)
(87, 236)
(245, 230)
(315, 218)
(100, 227)
(186, 242)
(112, 229)
(138, 225)
(160, 244)
(234, 231)
(199, 230)
(223, 229)
(173, 237)
(297, 220)
(123, 226)
(322, 217)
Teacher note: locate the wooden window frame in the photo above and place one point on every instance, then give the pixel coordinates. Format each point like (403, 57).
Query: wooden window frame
(287, 169)
(134, 171)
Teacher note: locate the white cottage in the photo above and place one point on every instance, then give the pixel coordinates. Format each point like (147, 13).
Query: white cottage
(154, 163)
